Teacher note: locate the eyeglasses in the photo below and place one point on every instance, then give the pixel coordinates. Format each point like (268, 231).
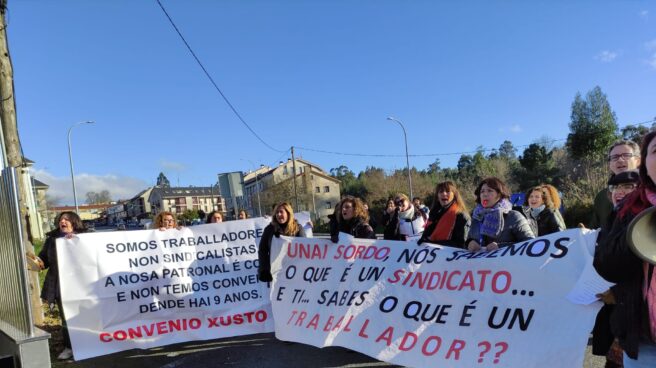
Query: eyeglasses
(399, 202)
(624, 186)
(625, 156)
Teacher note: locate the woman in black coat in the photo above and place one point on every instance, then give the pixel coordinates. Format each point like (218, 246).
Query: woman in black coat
(282, 223)
(541, 213)
(448, 222)
(68, 224)
(633, 320)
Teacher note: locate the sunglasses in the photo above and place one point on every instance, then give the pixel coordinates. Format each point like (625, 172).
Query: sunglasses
(399, 202)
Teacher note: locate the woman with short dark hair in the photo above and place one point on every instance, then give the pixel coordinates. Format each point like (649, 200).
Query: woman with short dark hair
(494, 223)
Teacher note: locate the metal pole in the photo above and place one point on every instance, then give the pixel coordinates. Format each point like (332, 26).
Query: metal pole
(70, 160)
(407, 157)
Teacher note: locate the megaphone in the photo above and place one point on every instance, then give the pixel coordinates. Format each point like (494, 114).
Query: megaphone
(641, 235)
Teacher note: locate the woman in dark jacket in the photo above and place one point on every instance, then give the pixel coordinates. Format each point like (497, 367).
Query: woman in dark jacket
(448, 222)
(494, 223)
(282, 223)
(541, 212)
(633, 320)
(68, 224)
(407, 220)
(353, 219)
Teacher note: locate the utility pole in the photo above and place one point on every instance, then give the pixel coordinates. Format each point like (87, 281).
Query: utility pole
(12, 146)
(297, 209)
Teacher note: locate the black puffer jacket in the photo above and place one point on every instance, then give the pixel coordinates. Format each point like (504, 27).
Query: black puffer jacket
(615, 262)
(549, 221)
(264, 249)
(358, 228)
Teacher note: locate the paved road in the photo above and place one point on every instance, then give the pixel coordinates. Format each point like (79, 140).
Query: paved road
(261, 350)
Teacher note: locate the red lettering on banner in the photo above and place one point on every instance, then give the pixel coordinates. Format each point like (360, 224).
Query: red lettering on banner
(314, 322)
(386, 335)
(159, 328)
(329, 324)
(363, 329)
(456, 347)
(453, 280)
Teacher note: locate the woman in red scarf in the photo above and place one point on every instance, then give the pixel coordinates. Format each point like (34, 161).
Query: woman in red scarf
(448, 223)
(633, 320)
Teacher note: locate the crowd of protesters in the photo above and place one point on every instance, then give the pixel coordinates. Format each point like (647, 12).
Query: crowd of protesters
(625, 329)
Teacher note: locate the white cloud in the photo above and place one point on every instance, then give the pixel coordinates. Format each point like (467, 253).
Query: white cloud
(644, 14)
(515, 128)
(652, 61)
(650, 45)
(606, 56)
(119, 187)
(171, 165)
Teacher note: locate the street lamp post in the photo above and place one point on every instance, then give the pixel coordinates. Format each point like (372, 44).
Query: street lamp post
(407, 159)
(257, 187)
(70, 160)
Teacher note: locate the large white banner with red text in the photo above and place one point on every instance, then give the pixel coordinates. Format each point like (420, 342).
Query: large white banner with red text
(139, 289)
(438, 306)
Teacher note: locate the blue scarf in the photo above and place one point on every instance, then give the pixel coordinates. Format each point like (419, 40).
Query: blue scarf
(491, 219)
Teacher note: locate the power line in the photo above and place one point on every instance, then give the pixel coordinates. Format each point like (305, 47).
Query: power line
(417, 155)
(207, 74)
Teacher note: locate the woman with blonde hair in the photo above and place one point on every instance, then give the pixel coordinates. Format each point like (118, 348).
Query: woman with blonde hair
(541, 212)
(406, 222)
(282, 223)
(165, 220)
(448, 222)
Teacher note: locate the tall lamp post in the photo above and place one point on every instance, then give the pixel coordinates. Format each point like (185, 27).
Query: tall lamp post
(257, 186)
(70, 160)
(407, 159)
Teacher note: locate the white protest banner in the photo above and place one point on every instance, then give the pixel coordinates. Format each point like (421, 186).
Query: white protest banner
(139, 289)
(436, 306)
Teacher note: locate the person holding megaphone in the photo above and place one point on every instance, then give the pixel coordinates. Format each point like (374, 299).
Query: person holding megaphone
(626, 255)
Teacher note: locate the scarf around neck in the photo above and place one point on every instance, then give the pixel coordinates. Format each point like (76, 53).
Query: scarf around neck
(535, 212)
(407, 214)
(491, 219)
(446, 223)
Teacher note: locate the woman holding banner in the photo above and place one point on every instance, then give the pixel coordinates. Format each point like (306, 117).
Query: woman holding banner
(633, 319)
(494, 223)
(448, 222)
(68, 224)
(353, 219)
(282, 223)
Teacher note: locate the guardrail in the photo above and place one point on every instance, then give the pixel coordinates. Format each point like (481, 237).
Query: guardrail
(21, 344)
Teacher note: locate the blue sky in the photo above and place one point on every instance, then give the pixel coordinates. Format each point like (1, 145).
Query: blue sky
(317, 74)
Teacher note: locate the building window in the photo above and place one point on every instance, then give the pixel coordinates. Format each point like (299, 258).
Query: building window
(326, 189)
(329, 205)
(317, 189)
(284, 170)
